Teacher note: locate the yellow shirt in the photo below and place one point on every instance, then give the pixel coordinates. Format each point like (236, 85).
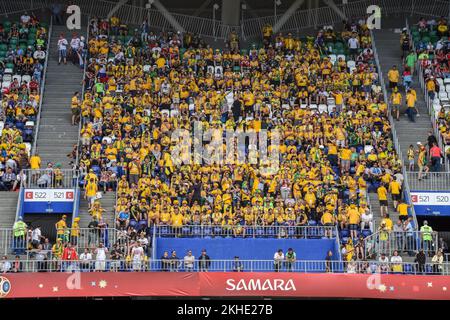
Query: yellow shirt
(402, 209)
(382, 193)
(35, 162)
(395, 187)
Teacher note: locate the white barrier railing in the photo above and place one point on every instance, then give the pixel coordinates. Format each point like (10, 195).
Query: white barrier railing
(46, 179)
(248, 231)
(42, 88)
(175, 264)
(433, 181)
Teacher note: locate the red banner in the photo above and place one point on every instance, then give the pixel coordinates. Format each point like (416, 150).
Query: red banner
(97, 284)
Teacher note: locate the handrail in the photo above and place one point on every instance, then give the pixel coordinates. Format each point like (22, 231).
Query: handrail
(41, 96)
(143, 264)
(77, 158)
(394, 131)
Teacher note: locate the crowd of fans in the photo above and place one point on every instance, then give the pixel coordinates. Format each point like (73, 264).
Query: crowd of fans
(22, 58)
(336, 144)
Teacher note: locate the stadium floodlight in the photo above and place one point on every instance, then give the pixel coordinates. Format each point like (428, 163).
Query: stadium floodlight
(276, 3)
(149, 4)
(216, 6)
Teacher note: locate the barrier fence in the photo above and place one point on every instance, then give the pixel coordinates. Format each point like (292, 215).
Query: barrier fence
(433, 181)
(248, 231)
(236, 265)
(50, 179)
(386, 242)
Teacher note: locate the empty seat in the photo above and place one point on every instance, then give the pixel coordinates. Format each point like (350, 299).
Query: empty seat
(333, 58)
(26, 78)
(341, 56)
(8, 71)
(447, 81)
(351, 64)
(443, 95)
(7, 77)
(323, 108)
(447, 87)
(18, 77)
(313, 106)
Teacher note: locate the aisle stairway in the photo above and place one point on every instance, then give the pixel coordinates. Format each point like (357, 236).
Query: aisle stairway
(8, 206)
(57, 136)
(107, 201)
(388, 45)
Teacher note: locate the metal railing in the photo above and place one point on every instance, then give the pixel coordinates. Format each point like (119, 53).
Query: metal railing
(433, 181)
(406, 186)
(46, 179)
(14, 7)
(180, 265)
(248, 231)
(42, 88)
(89, 238)
(386, 242)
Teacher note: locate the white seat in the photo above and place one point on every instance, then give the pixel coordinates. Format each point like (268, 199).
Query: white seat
(2, 125)
(331, 107)
(26, 78)
(323, 108)
(285, 106)
(352, 69)
(147, 68)
(29, 124)
(6, 84)
(442, 88)
(28, 147)
(447, 81)
(351, 64)
(447, 88)
(333, 58)
(218, 71)
(443, 95)
(440, 81)
(8, 71)
(341, 56)
(18, 77)
(7, 77)
(210, 69)
(166, 112)
(303, 105)
(313, 106)
(331, 100)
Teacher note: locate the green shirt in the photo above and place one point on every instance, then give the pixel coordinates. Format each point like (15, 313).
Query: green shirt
(19, 228)
(426, 233)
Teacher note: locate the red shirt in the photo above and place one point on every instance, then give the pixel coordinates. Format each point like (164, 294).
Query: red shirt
(70, 254)
(435, 152)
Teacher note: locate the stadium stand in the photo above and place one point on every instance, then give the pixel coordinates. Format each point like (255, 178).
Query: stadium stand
(23, 47)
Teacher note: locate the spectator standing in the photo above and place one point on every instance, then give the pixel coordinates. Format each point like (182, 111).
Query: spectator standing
(204, 262)
(291, 257)
(85, 260)
(62, 49)
(435, 157)
(394, 77)
(411, 110)
(165, 261)
(329, 262)
(278, 259)
(69, 254)
(399, 236)
(421, 260)
(237, 265)
(174, 262)
(116, 256)
(17, 265)
(383, 263)
(19, 231)
(137, 253)
(189, 261)
(443, 245)
(36, 237)
(382, 198)
(427, 236)
(100, 257)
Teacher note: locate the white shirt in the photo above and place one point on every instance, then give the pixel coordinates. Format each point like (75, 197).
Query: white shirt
(85, 256)
(353, 43)
(366, 217)
(62, 44)
(396, 259)
(137, 252)
(75, 43)
(189, 261)
(39, 54)
(278, 257)
(5, 266)
(36, 235)
(25, 18)
(101, 253)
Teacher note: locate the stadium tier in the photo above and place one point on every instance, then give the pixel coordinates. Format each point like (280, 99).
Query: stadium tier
(127, 148)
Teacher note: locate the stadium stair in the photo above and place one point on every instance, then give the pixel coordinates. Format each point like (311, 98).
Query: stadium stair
(388, 45)
(108, 201)
(57, 136)
(375, 205)
(8, 206)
